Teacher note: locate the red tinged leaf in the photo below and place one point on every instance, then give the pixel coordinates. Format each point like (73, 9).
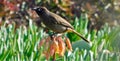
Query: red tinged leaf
(55, 45)
(69, 46)
(61, 45)
(53, 48)
(41, 42)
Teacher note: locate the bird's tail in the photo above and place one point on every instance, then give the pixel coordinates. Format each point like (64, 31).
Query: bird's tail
(80, 36)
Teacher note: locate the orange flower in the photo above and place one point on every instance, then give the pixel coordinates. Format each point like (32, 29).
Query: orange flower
(68, 44)
(61, 46)
(55, 45)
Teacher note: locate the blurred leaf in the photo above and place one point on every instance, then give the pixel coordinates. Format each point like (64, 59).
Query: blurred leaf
(82, 45)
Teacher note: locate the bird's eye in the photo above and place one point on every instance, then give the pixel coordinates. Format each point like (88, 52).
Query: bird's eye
(39, 9)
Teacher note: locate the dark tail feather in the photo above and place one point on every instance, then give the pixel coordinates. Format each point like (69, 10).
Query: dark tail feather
(81, 36)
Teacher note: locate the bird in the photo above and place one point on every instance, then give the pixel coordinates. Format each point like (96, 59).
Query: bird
(55, 22)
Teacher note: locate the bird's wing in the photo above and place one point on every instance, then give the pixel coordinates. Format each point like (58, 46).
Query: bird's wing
(60, 20)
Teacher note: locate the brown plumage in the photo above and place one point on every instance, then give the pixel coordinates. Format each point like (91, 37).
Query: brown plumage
(55, 22)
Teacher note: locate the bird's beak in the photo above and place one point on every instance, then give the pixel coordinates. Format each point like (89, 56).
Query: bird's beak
(34, 8)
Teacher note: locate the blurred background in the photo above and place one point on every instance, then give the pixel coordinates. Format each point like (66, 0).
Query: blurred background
(99, 11)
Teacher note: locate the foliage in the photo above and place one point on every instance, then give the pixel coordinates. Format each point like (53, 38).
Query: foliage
(22, 43)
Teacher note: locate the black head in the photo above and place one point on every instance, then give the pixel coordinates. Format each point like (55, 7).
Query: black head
(40, 10)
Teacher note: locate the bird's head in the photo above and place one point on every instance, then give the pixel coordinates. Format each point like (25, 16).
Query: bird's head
(40, 10)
